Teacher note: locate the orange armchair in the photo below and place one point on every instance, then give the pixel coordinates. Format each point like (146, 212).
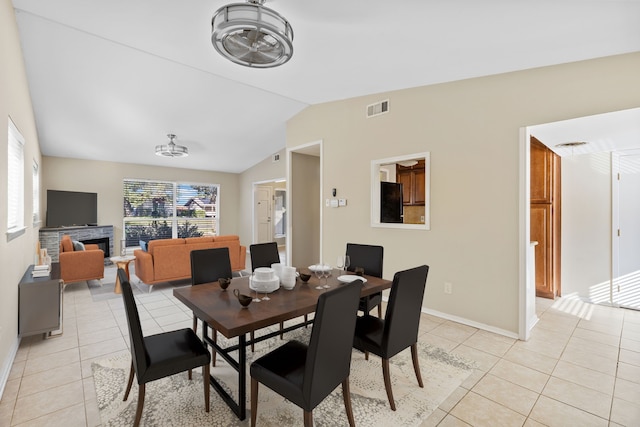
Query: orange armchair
(78, 266)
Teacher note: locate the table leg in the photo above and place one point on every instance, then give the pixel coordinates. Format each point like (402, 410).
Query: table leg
(242, 376)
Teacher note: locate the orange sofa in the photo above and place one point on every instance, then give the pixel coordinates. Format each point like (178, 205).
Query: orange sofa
(77, 266)
(170, 259)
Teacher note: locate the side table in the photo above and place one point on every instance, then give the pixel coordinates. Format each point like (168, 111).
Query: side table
(123, 263)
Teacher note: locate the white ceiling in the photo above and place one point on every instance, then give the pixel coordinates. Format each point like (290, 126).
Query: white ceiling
(110, 79)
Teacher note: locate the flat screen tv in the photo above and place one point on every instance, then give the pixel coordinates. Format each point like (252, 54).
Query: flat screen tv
(69, 208)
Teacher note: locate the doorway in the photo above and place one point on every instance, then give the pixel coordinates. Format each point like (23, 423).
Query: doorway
(269, 213)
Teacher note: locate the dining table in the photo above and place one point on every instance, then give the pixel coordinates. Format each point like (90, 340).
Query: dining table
(220, 310)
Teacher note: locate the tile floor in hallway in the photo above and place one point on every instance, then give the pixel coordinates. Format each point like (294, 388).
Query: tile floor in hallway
(581, 366)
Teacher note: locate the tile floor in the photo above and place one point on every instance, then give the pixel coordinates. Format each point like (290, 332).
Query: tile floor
(580, 368)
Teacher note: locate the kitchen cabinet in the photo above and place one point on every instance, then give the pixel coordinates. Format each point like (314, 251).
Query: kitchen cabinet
(412, 179)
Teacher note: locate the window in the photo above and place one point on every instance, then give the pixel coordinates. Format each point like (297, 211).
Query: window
(36, 193)
(400, 192)
(15, 182)
(280, 213)
(164, 210)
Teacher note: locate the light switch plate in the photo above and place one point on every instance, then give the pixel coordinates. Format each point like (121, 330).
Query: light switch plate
(334, 203)
(342, 202)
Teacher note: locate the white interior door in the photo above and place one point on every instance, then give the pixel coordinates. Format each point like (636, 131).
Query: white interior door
(626, 260)
(263, 198)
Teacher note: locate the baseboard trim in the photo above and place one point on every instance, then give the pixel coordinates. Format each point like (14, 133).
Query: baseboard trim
(467, 322)
(7, 364)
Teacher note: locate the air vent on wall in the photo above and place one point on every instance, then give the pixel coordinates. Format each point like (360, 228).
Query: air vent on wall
(377, 108)
(275, 157)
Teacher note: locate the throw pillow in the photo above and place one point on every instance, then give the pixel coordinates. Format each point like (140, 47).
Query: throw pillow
(78, 246)
(143, 245)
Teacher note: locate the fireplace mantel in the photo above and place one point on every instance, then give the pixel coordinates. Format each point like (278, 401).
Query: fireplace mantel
(50, 237)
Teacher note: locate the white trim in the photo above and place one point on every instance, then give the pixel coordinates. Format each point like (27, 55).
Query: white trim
(524, 233)
(8, 364)
(471, 323)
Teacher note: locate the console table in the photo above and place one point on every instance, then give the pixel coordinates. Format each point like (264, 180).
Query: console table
(40, 303)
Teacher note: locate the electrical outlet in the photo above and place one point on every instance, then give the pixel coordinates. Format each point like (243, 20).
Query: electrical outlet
(327, 202)
(448, 288)
(422, 219)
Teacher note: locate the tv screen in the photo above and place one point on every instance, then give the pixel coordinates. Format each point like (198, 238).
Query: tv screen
(68, 208)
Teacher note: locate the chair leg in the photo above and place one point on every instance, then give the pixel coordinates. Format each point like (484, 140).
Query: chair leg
(251, 336)
(306, 319)
(205, 380)
(129, 383)
(281, 327)
(346, 396)
(416, 366)
(380, 311)
(136, 422)
(308, 418)
(213, 350)
(366, 355)
(387, 383)
(254, 401)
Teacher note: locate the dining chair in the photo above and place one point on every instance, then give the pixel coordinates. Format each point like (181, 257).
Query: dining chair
(399, 328)
(263, 255)
(306, 374)
(161, 355)
(368, 257)
(209, 265)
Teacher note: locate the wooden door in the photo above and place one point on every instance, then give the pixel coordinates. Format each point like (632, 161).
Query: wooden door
(545, 218)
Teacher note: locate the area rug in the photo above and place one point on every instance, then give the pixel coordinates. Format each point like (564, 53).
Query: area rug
(176, 401)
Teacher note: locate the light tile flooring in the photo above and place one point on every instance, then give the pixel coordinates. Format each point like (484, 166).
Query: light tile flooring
(580, 368)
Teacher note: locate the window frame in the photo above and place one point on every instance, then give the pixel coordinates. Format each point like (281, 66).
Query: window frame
(173, 218)
(15, 181)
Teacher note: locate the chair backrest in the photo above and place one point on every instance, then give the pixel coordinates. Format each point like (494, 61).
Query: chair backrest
(138, 350)
(209, 265)
(329, 353)
(368, 257)
(263, 254)
(402, 317)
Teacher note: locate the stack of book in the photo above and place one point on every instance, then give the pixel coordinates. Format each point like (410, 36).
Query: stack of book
(41, 270)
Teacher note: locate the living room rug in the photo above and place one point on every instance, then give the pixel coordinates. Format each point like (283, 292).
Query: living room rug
(176, 401)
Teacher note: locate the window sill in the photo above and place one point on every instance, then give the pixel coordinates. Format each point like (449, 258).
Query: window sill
(15, 233)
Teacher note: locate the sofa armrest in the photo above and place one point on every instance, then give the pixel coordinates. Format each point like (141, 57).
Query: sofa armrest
(243, 257)
(81, 265)
(144, 266)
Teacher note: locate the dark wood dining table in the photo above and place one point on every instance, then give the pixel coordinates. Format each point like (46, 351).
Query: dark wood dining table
(220, 310)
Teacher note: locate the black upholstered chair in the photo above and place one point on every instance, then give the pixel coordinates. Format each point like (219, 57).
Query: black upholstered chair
(161, 355)
(209, 265)
(368, 257)
(399, 328)
(306, 375)
(263, 255)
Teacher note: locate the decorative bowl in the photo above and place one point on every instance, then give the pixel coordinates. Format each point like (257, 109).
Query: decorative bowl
(224, 282)
(305, 277)
(243, 299)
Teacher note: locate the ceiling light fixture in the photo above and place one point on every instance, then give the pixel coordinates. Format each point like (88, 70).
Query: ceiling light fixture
(408, 163)
(171, 149)
(252, 35)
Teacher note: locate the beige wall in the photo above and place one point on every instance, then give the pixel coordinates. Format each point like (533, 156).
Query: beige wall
(18, 254)
(266, 170)
(471, 128)
(105, 178)
(304, 209)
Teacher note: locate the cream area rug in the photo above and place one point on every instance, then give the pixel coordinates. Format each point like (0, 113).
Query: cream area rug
(176, 401)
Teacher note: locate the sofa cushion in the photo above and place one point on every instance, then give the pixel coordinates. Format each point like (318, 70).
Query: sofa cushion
(163, 242)
(78, 246)
(227, 238)
(196, 240)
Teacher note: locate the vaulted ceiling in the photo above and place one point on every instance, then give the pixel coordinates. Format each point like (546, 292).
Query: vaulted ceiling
(109, 80)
